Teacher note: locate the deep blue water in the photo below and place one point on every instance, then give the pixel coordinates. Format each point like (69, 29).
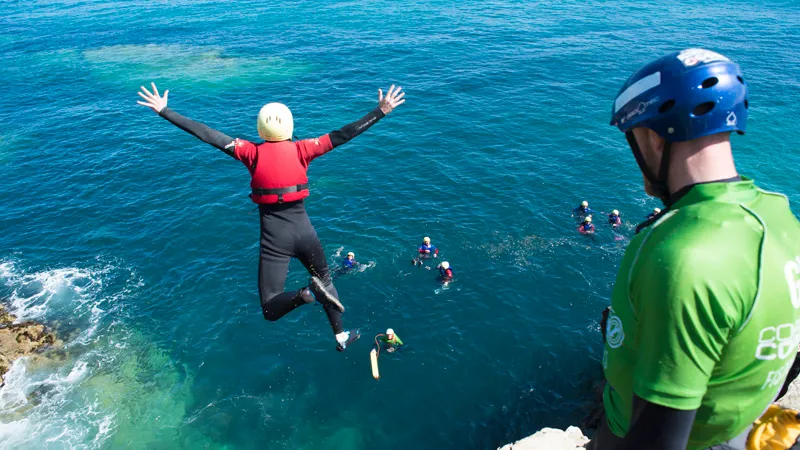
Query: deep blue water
(135, 241)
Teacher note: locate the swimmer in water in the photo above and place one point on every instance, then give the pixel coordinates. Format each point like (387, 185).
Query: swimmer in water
(656, 211)
(614, 219)
(390, 340)
(586, 228)
(425, 251)
(445, 272)
(583, 210)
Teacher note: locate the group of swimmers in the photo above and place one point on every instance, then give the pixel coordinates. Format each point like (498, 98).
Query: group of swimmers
(586, 227)
(425, 251)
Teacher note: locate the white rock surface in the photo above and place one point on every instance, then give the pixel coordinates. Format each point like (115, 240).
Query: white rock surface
(551, 439)
(792, 397)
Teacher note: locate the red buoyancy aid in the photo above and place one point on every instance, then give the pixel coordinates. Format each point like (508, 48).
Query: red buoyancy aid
(279, 169)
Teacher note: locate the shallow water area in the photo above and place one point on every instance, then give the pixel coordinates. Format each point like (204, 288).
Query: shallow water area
(135, 242)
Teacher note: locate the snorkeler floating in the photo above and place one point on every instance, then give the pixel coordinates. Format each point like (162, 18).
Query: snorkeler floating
(279, 184)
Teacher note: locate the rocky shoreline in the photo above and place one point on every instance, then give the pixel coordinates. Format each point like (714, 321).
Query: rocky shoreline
(20, 339)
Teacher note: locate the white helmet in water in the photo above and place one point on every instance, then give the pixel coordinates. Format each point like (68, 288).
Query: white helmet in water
(389, 332)
(445, 265)
(275, 122)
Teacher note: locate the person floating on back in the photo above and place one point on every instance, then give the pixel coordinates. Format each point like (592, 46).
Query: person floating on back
(702, 327)
(425, 251)
(656, 211)
(445, 272)
(279, 183)
(390, 340)
(582, 210)
(614, 219)
(586, 227)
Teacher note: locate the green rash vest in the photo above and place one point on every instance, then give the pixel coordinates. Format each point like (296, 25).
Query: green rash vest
(704, 312)
(394, 341)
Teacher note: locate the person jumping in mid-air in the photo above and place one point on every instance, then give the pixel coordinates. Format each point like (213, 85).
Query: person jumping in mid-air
(426, 250)
(390, 340)
(586, 227)
(279, 184)
(583, 210)
(614, 219)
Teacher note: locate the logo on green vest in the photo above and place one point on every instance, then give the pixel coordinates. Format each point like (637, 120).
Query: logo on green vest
(615, 335)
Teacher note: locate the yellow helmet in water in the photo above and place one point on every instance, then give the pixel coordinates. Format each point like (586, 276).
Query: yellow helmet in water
(585, 204)
(426, 240)
(657, 210)
(275, 122)
(351, 254)
(588, 219)
(445, 265)
(615, 212)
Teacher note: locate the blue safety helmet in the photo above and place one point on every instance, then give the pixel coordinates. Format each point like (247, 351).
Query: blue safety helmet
(683, 96)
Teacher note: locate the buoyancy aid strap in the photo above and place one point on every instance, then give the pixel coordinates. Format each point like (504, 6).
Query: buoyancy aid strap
(280, 191)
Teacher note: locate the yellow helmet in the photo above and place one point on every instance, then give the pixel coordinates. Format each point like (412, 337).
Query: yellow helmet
(584, 203)
(657, 210)
(615, 212)
(351, 254)
(275, 122)
(445, 265)
(426, 240)
(588, 219)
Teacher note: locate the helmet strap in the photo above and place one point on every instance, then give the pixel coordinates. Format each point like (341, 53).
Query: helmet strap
(657, 183)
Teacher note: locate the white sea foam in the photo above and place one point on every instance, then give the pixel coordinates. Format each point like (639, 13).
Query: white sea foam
(74, 402)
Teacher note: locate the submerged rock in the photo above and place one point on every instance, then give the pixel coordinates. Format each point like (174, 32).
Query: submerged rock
(20, 339)
(551, 439)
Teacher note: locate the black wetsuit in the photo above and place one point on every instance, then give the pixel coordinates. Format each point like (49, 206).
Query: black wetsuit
(286, 230)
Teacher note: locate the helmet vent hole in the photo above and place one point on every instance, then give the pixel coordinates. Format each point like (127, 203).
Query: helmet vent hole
(739, 77)
(746, 104)
(709, 82)
(703, 108)
(666, 106)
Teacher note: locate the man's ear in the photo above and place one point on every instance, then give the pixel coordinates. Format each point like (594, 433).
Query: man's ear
(655, 141)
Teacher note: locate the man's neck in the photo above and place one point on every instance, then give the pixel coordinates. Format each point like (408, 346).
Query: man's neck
(701, 160)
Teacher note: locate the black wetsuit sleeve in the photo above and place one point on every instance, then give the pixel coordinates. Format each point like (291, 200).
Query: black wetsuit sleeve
(204, 133)
(349, 131)
(656, 427)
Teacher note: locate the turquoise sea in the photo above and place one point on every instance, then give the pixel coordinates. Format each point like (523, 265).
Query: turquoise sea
(135, 242)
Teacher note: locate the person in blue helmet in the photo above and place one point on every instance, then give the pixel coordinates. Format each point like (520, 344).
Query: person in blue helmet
(692, 355)
(614, 219)
(583, 210)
